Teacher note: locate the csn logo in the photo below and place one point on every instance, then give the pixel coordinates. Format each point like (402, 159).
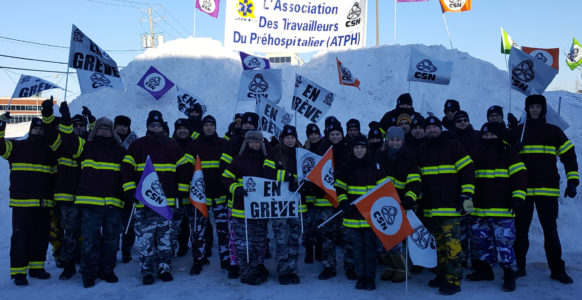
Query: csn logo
(426, 69)
(354, 15)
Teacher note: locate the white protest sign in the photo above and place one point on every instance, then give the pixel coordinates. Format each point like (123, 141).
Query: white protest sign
(272, 117)
(311, 100)
(269, 199)
(260, 83)
(421, 244)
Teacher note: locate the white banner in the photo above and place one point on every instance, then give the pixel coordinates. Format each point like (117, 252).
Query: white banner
(29, 86)
(528, 74)
(260, 83)
(310, 100)
(187, 100)
(429, 70)
(269, 199)
(272, 117)
(95, 68)
(421, 244)
(296, 26)
(306, 161)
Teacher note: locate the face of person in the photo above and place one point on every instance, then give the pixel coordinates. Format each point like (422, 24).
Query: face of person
(374, 140)
(495, 117)
(248, 126)
(335, 137)
(405, 106)
(360, 151)
(121, 129)
(182, 132)
(352, 132)
(209, 128)
(290, 141)
(432, 131)
(462, 123)
(194, 113)
(103, 132)
(155, 127)
(79, 128)
(255, 145)
(489, 136)
(417, 132)
(450, 113)
(405, 125)
(36, 130)
(395, 143)
(314, 137)
(535, 110)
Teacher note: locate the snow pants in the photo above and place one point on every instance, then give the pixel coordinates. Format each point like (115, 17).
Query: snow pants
(447, 233)
(153, 238)
(493, 235)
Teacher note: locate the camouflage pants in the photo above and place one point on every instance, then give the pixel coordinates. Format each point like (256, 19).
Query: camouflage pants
(309, 226)
(177, 215)
(257, 233)
(220, 213)
(100, 230)
(447, 231)
(153, 239)
(231, 240)
(56, 233)
(326, 235)
(71, 222)
(363, 243)
(349, 260)
(492, 235)
(197, 229)
(286, 233)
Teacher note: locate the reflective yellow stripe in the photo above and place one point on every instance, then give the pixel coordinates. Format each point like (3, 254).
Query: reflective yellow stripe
(219, 200)
(280, 175)
(36, 264)
(411, 194)
(238, 213)
(353, 223)
(64, 161)
(80, 149)
(572, 175)
(269, 163)
(159, 167)
(64, 197)
(171, 202)
(538, 149)
(21, 270)
(34, 168)
(129, 159)
(48, 120)
(518, 194)
(195, 135)
(397, 183)
(57, 143)
(380, 181)
(233, 187)
(492, 212)
(101, 201)
(208, 164)
(321, 202)
(226, 137)
(302, 208)
(226, 158)
(357, 190)
(412, 177)
(97, 165)
(190, 158)
(340, 184)
(30, 202)
(489, 173)
(550, 192)
(342, 197)
(310, 199)
(516, 167)
(66, 128)
(565, 147)
(183, 187)
(228, 174)
(8, 151)
(461, 163)
(440, 169)
(441, 212)
(468, 188)
(129, 185)
(182, 161)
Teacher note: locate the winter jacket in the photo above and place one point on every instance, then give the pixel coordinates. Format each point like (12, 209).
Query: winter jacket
(233, 148)
(389, 119)
(401, 168)
(449, 125)
(283, 166)
(209, 149)
(468, 137)
(446, 171)
(500, 179)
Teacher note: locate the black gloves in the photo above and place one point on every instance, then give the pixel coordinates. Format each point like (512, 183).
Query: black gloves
(293, 184)
(571, 189)
(511, 120)
(129, 196)
(407, 203)
(87, 113)
(518, 146)
(65, 113)
(240, 193)
(517, 203)
(47, 107)
(465, 205)
(3, 119)
(344, 206)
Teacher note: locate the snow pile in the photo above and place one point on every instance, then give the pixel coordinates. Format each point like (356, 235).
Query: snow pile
(205, 68)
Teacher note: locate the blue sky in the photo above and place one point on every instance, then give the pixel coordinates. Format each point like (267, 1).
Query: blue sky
(115, 25)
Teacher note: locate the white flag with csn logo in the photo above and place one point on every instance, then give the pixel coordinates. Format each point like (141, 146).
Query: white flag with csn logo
(529, 75)
(260, 83)
(427, 69)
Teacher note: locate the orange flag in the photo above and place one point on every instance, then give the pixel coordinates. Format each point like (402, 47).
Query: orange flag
(455, 5)
(197, 193)
(381, 208)
(345, 75)
(322, 176)
(550, 57)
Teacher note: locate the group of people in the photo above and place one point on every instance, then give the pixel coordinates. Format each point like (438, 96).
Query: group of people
(475, 190)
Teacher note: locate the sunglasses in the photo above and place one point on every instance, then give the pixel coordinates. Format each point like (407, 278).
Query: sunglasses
(450, 110)
(79, 125)
(462, 120)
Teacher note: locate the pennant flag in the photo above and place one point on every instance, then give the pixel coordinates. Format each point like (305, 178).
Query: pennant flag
(548, 56)
(150, 192)
(425, 69)
(306, 161)
(155, 83)
(322, 176)
(507, 42)
(251, 62)
(95, 68)
(421, 243)
(208, 6)
(574, 58)
(310, 100)
(260, 83)
(29, 86)
(345, 76)
(272, 118)
(455, 5)
(197, 189)
(186, 101)
(528, 74)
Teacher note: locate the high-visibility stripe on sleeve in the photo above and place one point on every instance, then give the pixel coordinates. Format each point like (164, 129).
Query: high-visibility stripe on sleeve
(129, 186)
(340, 184)
(412, 195)
(412, 177)
(8, 151)
(468, 188)
(182, 187)
(490, 173)
(228, 174)
(565, 147)
(208, 164)
(572, 175)
(182, 161)
(280, 175)
(190, 158)
(461, 163)
(269, 163)
(233, 187)
(518, 194)
(57, 143)
(341, 197)
(48, 120)
(516, 167)
(538, 149)
(382, 180)
(195, 135)
(80, 149)
(436, 170)
(129, 159)
(226, 158)
(66, 128)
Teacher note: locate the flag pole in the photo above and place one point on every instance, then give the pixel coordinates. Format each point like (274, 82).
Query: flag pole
(330, 218)
(508, 76)
(130, 217)
(247, 238)
(66, 83)
(394, 21)
(377, 26)
(194, 23)
(448, 32)
(405, 242)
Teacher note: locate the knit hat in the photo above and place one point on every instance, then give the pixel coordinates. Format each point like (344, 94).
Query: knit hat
(35, 122)
(238, 116)
(417, 121)
(288, 130)
(311, 129)
(181, 122)
(493, 127)
(495, 109)
(452, 104)
(461, 114)
(375, 131)
(403, 117)
(122, 120)
(209, 119)
(250, 118)
(404, 99)
(334, 126)
(395, 132)
(100, 123)
(360, 140)
(536, 99)
(432, 120)
(329, 120)
(353, 123)
(154, 116)
(253, 135)
(79, 119)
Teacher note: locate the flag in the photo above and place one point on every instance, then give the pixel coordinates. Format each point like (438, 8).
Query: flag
(251, 62)
(381, 208)
(427, 69)
(345, 76)
(155, 83)
(421, 244)
(272, 117)
(322, 176)
(186, 101)
(95, 68)
(208, 6)
(310, 99)
(197, 189)
(260, 83)
(150, 192)
(507, 42)
(528, 74)
(548, 56)
(455, 5)
(30, 85)
(574, 58)
(306, 161)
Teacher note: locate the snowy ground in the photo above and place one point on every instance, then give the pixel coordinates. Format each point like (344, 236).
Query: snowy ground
(205, 68)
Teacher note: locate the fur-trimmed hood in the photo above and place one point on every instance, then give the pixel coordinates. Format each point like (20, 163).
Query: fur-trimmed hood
(104, 122)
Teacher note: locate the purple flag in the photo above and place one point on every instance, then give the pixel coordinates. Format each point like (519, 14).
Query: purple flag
(155, 83)
(208, 6)
(150, 191)
(251, 62)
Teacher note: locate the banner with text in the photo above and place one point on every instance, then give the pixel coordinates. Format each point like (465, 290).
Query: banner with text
(310, 100)
(260, 83)
(29, 86)
(272, 117)
(426, 69)
(269, 199)
(295, 26)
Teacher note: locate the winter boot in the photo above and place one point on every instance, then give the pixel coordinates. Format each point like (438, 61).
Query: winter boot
(224, 264)
(285, 279)
(233, 272)
(69, 270)
(39, 273)
(361, 283)
(371, 284)
(562, 277)
(263, 272)
(390, 271)
(318, 251)
(448, 288)
(109, 277)
(148, 279)
(327, 273)
(182, 250)
(20, 279)
(351, 273)
(87, 283)
(520, 270)
(294, 278)
(166, 276)
(308, 253)
(484, 272)
(126, 256)
(196, 268)
(437, 281)
(508, 280)
(399, 268)
(251, 280)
